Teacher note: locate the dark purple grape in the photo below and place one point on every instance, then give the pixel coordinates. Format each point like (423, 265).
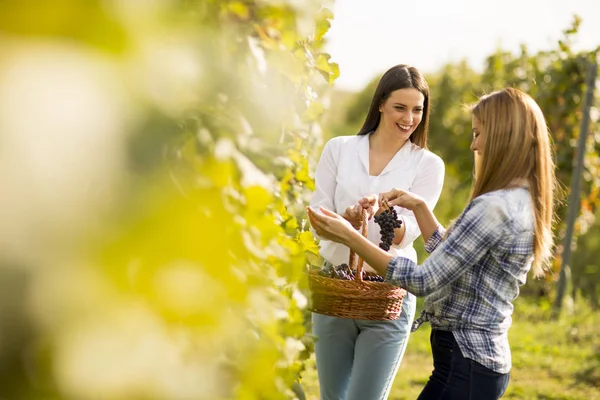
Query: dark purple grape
(387, 221)
(341, 271)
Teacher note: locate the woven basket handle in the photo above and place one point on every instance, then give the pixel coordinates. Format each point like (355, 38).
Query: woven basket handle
(351, 261)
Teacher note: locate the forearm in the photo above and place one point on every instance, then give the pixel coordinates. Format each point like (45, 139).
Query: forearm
(377, 258)
(399, 233)
(426, 220)
(356, 222)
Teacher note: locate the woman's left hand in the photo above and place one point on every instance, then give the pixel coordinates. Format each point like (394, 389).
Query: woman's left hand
(402, 198)
(330, 225)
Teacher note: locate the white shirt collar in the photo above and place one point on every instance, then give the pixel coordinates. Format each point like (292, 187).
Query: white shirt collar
(397, 161)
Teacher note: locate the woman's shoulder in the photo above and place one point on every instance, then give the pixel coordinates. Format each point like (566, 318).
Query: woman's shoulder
(504, 196)
(510, 210)
(339, 144)
(508, 203)
(343, 139)
(495, 198)
(427, 156)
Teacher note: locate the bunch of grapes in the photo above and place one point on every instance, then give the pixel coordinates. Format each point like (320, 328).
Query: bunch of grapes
(372, 277)
(341, 271)
(387, 221)
(344, 272)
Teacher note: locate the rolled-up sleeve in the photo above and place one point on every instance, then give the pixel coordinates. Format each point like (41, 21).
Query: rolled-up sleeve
(478, 230)
(435, 239)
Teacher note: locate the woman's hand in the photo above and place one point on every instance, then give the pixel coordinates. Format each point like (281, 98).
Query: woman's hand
(426, 220)
(402, 198)
(353, 214)
(330, 225)
(370, 204)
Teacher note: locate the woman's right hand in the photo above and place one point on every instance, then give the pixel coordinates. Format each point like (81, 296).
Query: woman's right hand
(402, 198)
(370, 204)
(353, 214)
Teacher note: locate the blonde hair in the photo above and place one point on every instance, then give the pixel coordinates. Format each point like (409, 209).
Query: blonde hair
(517, 147)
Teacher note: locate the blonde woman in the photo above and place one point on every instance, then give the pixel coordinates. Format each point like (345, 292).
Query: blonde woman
(474, 271)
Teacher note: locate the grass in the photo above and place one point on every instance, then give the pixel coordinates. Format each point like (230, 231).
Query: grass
(552, 359)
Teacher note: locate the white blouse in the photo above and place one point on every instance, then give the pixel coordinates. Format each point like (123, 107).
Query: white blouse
(342, 178)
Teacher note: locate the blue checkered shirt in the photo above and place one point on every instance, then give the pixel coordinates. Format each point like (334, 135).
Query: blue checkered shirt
(473, 274)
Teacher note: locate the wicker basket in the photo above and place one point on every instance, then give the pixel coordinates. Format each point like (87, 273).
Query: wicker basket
(356, 298)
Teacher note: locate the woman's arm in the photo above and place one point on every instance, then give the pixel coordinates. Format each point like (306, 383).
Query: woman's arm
(325, 178)
(479, 229)
(427, 185)
(331, 226)
(425, 218)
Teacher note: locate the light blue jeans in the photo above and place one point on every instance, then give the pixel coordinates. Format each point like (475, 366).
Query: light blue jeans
(358, 359)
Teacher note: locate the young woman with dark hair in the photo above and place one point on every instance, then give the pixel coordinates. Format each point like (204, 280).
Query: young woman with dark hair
(358, 359)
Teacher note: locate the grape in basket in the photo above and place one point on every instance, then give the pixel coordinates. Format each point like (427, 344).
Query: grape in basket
(342, 271)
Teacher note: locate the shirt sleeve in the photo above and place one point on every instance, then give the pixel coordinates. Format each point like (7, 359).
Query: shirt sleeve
(479, 229)
(435, 239)
(325, 181)
(428, 184)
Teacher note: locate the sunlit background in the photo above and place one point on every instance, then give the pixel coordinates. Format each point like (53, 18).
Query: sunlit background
(366, 37)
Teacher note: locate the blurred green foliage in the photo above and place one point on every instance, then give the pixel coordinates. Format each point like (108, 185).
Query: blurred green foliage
(171, 263)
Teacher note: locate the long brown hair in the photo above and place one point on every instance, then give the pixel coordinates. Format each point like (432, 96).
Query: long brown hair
(517, 146)
(399, 77)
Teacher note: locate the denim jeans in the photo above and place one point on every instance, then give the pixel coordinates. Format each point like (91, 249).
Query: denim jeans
(457, 378)
(358, 359)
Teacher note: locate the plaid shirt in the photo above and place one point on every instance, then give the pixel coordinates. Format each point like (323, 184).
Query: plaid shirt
(474, 273)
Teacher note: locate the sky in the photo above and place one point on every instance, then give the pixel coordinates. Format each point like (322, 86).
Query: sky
(369, 36)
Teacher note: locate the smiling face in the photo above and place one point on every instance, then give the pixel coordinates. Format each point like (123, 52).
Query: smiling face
(401, 113)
